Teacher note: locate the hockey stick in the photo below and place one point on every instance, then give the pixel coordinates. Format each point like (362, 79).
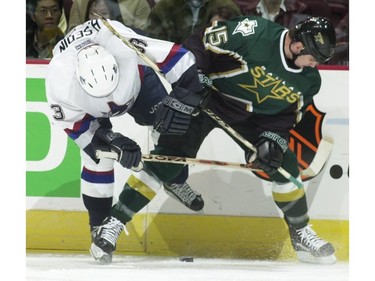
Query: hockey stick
(145, 58)
(168, 87)
(178, 160)
(249, 145)
(320, 159)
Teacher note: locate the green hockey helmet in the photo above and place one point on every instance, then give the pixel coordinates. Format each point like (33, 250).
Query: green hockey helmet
(317, 34)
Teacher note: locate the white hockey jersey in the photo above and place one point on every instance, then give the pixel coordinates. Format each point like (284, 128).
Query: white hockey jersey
(74, 110)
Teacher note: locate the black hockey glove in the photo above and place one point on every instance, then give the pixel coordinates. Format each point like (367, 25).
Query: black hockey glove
(129, 152)
(271, 148)
(174, 114)
(205, 81)
(97, 143)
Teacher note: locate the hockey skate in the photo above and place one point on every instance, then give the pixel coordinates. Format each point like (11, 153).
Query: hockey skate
(104, 238)
(185, 194)
(310, 248)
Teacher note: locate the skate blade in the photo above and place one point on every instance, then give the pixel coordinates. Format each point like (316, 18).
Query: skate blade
(99, 255)
(308, 258)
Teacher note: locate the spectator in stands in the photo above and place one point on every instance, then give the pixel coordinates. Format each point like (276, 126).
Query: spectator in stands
(67, 5)
(342, 46)
(42, 30)
(342, 29)
(151, 3)
(134, 13)
(318, 8)
(175, 20)
(109, 9)
(222, 13)
(285, 12)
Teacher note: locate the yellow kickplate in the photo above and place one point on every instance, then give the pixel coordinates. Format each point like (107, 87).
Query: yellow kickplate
(176, 235)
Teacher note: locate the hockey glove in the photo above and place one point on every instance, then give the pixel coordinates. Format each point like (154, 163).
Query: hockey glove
(271, 148)
(174, 114)
(129, 152)
(205, 81)
(96, 144)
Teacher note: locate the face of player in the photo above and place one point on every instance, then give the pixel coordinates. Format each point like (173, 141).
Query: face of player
(47, 14)
(306, 60)
(100, 8)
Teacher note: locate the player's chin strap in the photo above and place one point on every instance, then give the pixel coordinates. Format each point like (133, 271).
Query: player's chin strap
(212, 115)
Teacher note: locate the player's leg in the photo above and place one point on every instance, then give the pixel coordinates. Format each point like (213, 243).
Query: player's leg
(138, 191)
(176, 187)
(141, 187)
(151, 94)
(174, 176)
(291, 200)
(97, 187)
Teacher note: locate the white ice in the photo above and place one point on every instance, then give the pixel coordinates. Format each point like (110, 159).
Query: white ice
(81, 267)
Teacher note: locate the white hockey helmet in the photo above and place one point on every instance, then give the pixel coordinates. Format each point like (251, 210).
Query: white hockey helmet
(97, 71)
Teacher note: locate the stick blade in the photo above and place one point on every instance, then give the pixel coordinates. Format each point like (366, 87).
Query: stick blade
(321, 157)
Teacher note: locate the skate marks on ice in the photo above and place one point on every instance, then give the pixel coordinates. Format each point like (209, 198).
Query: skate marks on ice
(81, 267)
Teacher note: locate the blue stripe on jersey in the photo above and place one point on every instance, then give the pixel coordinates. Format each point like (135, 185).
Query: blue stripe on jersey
(175, 54)
(98, 177)
(80, 127)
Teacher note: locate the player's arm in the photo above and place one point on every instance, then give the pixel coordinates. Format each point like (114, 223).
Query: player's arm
(272, 141)
(92, 134)
(176, 110)
(194, 44)
(128, 151)
(179, 68)
(172, 59)
(271, 147)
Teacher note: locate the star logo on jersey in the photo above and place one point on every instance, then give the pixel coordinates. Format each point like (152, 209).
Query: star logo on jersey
(246, 27)
(263, 91)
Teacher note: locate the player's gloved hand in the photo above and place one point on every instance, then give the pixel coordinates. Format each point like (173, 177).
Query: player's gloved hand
(271, 148)
(96, 144)
(174, 114)
(205, 81)
(129, 152)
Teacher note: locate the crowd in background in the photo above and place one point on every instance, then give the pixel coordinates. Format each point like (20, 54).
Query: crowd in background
(47, 21)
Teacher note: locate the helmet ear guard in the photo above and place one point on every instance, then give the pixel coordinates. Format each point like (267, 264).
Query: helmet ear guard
(318, 36)
(97, 71)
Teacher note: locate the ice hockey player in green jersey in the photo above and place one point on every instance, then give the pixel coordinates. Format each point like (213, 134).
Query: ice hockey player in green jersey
(263, 78)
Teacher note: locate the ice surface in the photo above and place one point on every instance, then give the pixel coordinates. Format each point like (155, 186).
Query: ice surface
(81, 267)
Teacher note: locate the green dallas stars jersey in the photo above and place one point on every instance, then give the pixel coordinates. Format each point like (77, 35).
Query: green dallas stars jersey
(245, 59)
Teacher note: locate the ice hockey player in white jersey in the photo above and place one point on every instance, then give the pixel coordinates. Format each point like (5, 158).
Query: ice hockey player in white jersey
(92, 77)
